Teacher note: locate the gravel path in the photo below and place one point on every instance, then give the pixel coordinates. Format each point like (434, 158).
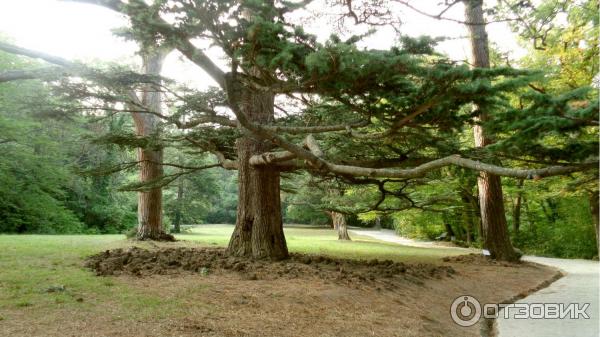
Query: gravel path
(579, 285)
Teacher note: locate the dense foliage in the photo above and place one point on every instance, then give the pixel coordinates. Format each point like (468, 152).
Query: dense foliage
(398, 109)
(41, 152)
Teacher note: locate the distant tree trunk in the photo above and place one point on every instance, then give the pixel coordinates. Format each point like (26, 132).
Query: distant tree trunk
(178, 210)
(476, 215)
(150, 202)
(334, 223)
(530, 216)
(377, 223)
(258, 230)
(330, 222)
(517, 207)
(494, 227)
(594, 209)
(551, 211)
(339, 223)
(467, 218)
(449, 231)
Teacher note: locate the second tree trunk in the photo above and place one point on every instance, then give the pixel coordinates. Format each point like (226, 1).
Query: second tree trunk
(493, 219)
(258, 230)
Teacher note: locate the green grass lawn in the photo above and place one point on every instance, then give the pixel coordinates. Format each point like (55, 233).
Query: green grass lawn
(302, 239)
(30, 264)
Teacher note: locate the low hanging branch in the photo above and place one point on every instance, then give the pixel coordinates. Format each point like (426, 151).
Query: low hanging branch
(456, 160)
(36, 54)
(315, 157)
(15, 75)
(207, 146)
(163, 180)
(294, 130)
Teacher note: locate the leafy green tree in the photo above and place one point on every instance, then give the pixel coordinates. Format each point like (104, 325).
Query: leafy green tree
(192, 196)
(42, 149)
(561, 38)
(370, 114)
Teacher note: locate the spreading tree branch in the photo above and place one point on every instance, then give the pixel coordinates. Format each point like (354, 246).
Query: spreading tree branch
(208, 146)
(29, 74)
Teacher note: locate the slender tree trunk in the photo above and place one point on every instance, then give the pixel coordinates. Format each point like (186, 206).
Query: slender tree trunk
(339, 223)
(530, 216)
(467, 216)
(178, 211)
(451, 235)
(334, 222)
(331, 224)
(258, 231)
(594, 209)
(494, 227)
(377, 223)
(150, 202)
(475, 215)
(517, 208)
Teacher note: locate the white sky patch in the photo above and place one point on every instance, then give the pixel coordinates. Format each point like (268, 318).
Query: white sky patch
(83, 32)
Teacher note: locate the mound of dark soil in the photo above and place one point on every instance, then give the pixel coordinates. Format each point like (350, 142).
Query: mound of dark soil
(479, 259)
(142, 262)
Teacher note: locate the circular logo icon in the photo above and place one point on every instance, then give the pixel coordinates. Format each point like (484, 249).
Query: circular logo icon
(465, 310)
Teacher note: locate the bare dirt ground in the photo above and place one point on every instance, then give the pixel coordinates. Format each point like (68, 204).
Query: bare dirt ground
(304, 296)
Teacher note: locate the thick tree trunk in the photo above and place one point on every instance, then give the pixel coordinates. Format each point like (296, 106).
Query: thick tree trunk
(150, 202)
(494, 227)
(517, 208)
(258, 231)
(594, 209)
(339, 223)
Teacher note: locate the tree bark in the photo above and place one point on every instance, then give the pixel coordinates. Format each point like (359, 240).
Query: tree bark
(334, 223)
(150, 226)
(339, 223)
(594, 209)
(494, 226)
(258, 230)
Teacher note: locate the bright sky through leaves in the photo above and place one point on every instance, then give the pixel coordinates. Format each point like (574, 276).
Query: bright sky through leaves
(83, 32)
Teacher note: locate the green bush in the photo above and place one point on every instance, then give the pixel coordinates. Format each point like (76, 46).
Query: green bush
(418, 224)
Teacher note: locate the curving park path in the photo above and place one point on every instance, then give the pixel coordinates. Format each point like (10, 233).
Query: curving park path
(579, 285)
(389, 235)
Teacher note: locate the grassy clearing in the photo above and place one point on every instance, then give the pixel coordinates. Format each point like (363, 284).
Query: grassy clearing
(308, 240)
(30, 264)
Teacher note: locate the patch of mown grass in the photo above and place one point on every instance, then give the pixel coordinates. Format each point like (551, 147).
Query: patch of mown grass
(324, 241)
(32, 266)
